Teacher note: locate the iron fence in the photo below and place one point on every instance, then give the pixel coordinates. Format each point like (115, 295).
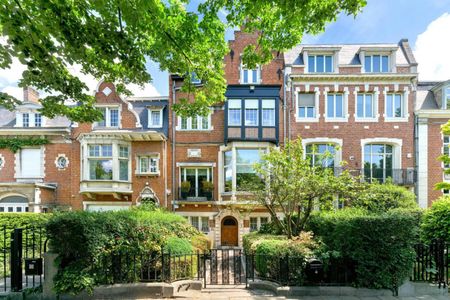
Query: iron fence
(432, 263)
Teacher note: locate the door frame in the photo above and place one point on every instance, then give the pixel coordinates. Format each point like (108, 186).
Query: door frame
(222, 227)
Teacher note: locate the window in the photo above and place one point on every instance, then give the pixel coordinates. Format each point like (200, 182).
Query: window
(245, 174)
(306, 105)
(110, 117)
(123, 163)
(446, 149)
(228, 171)
(195, 79)
(365, 106)
(37, 120)
(253, 224)
(394, 105)
(205, 224)
(234, 112)
(62, 162)
(321, 155)
(31, 163)
(250, 75)
(201, 223)
(155, 118)
(148, 164)
(194, 222)
(447, 97)
(264, 220)
(335, 106)
(251, 112)
(26, 120)
(199, 181)
(100, 162)
(378, 162)
(195, 123)
(320, 63)
(268, 112)
(376, 63)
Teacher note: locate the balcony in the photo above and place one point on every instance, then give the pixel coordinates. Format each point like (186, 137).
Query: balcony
(193, 195)
(405, 177)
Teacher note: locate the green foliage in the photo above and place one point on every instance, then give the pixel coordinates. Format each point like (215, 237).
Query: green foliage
(104, 235)
(252, 240)
(114, 40)
(379, 246)
(296, 186)
(178, 246)
(436, 221)
(381, 197)
(445, 159)
(16, 143)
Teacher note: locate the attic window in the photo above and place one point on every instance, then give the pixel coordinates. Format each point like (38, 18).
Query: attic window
(376, 63)
(447, 97)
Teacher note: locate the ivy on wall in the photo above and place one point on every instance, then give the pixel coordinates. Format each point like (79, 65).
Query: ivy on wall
(16, 143)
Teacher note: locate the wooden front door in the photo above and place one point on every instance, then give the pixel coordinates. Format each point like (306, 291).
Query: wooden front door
(229, 232)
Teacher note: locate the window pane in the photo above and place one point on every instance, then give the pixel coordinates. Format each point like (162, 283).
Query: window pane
(245, 76)
(302, 112)
(154, 165)
(26, 120)
(251, 117)
(268, 117)
(255, 76)
(234, 117)
(123, 151)
(367, 63)
(253, 224)
(205, 225)
(339, 107)
(376, 63)
(106, 150)
(369, 106)
(194, 222)
(123, 169)
(94, 150)
(310, 112)
(194, 123)
(37, 120)
(114, 115)
(328, 63)
(385, 63)
(398, 105)
(205, 123)
(330, 106)
(311, 62)
(360, 106)
(389, 105)
(155, 118)
(100, 169)
(320, 63)
(247, 156)
(143, 162)
(103, 121)
(184, 122)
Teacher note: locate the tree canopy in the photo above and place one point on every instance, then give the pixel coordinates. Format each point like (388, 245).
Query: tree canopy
(113, 40)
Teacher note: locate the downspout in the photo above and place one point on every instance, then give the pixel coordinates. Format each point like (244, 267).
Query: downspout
(173, 147)
(165, 172)
(284, 106)
(292, 105)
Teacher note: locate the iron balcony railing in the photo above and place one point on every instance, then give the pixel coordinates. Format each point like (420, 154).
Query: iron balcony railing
(193, 195)
(396, 176)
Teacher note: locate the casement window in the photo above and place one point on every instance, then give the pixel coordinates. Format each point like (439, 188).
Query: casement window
(320, 63)
(201, 223)
(335, 106)
(228, 171)
(446, 149)
(234, 112)
(268, 112)
(376, 63)
(306, 105)
(110, 117)
(249, 76)
(26, 120)
(394, 106)
(321, 154)
(251, 113)
(447, 98)
(378, 162)
(123, 162)
(148, 164)
(100, 162)
(155, 118)
(195, 123)
(197, 178)
(365, 107)
(37, 120)
(257, 222)
(31, 163)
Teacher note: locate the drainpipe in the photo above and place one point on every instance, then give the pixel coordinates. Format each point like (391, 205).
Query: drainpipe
(284, 106)
(165, 171)
(292, 105)
(173, 146)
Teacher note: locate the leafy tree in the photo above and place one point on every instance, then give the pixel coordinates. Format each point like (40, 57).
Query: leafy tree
(445, 158)
(294, 186)
(113, 39)
(436, 221)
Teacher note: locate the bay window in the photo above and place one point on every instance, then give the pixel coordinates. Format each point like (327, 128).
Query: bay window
(245, 174)
(107, 162)
(251, 112)
(228, 171)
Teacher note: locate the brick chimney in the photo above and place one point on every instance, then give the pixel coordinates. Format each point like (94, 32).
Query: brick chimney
(30, 95)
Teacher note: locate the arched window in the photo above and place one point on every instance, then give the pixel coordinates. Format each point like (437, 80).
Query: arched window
(321, 154)
(14, 204)
(378, 162)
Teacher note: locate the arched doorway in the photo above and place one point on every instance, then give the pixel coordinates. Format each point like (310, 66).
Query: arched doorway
(229, 231)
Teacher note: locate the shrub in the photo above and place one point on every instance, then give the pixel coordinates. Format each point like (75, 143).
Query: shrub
(378, 197)
(378, 246)
(251, 240)
(178, 246)
(436, 221)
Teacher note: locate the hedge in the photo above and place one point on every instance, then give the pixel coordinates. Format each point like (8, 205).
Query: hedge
(436, 221)
(379, 246)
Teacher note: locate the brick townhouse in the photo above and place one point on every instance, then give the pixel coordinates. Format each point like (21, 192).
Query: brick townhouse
(361, 102)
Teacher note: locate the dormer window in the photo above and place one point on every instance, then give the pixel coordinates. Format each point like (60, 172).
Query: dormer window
(249, 76)
(155, 118)
(376, 63)
(110, 117)
(447, 97)
(26, 120)
(320, 63)
(29, 119)
(37, 120)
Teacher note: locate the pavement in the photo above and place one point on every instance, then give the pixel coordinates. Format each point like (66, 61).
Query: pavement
(238, 293)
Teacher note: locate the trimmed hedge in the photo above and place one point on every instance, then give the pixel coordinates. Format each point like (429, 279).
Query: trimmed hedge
(380, 247)
(436, 221)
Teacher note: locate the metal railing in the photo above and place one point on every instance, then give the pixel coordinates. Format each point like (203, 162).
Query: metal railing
(396, 176)
(432, 263)
(192, 195)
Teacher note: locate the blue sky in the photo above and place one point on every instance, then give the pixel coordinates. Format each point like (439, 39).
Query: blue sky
(382, 21)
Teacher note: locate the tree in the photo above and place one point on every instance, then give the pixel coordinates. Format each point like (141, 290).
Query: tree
(113, 39)
(445, 158)
(293, 186)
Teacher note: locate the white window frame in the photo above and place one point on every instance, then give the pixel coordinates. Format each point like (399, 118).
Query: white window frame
(200, 223)
(250, 75)
(251, 107)
(150, 157)
(209, 175)
(150, 118)
(396, 149)
(19, 174)
(108, 116)
(266, 105)
(235, 107)
(371, 55)
(258, 222)
(446, 97)
(199, 121)
(374, 106)
(337, 143)
(324, 63)
(28, 123)
(344, 117)
(36, 118)
(305, 90)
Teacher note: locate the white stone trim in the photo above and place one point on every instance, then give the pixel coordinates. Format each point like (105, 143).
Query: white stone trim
(375, 99)
(57, 158)
(2, 161)
(149, 117)
(422, 164)
(106, 203)
(316, 104)
(326, 140)
(396, 151)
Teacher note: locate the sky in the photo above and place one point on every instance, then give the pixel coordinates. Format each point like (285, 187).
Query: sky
(425, 23)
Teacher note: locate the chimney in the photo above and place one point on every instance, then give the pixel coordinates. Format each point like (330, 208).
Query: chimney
(30, 95)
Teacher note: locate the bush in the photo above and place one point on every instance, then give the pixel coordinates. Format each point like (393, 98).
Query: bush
(252, 240)
(87, 242)
(378, 197)
(378, 246)
(178, 246)
(436, 221)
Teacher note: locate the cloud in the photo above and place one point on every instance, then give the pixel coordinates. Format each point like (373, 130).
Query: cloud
(147, 91)
(432, 50)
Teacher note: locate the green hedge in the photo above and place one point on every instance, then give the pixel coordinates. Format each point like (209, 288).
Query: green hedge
(380, 246)
(436, 221)
(84, 241)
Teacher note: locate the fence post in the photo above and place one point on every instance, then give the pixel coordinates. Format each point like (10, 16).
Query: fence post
(204, 268)
(16, 260)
